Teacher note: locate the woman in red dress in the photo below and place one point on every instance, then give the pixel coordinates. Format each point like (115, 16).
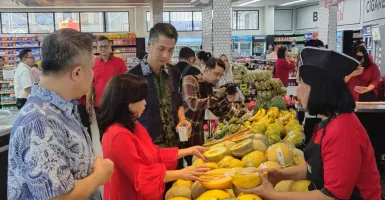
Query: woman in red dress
(283, 66)
(340, 161)
(363, 82)
(141, 168)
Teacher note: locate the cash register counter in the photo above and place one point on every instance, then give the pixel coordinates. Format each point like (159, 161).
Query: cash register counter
(372, 117)
(7, 118)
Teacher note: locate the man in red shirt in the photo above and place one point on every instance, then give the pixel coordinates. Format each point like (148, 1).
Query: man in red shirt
(106, 66)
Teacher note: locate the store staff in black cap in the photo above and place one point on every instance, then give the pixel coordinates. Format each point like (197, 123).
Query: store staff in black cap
(340, 160)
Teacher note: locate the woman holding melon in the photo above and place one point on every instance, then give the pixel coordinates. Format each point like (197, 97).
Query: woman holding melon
(340, 161)
(141, 169)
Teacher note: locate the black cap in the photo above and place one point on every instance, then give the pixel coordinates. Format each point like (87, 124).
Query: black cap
(337, 64)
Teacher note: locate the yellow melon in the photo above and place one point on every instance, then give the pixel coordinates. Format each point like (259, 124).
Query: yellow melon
(212, 143)
(178, 191)
(262, 138)
(198, 162)
(284, 186)
(179, 198)
(242, 138)
(300, 186)
(197, 190)
(254, 159)
(184, 183)
(212, 182)
(269, 164)
(258, 145)
(281, 154)
(220, 194)
(212, 165)
(215, 154)
(247, 181)
(249, 197)
(242, 148)
(225, 162)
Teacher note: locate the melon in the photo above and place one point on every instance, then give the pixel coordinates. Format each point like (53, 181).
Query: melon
(212, 165)
(258, 145)
(178, 191)
(281, 154)
(242, 138)
(296, 137)
(198, 162)
(254, 159)
(220, 171)
(298, 160)
(237, 163)
(194, 158)
(262, 138)
(247, 180)
(300, 186)
(215, 154)
(288, 144)
(269, 164)
(249, 197)
(219, 194)
(242, 148)
(259, 128)
(236, 190)
(183, 183)
(212, 143)
(247, 170)
(197, 190)
(212, 182)
(207, 198)
(284, 186)
(225, 162)
(179, 198)
(274, 138)
(231, 193)
(298, 153)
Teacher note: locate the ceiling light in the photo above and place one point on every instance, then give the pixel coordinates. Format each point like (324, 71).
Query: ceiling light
(249, 2)
(294, 2)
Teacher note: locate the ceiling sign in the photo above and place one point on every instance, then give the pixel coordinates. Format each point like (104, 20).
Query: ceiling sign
(374, 10)
(340, 11)
(329, 3)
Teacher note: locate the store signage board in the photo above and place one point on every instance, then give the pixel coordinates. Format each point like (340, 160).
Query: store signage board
(376, 33)
(374, 10)
(329, 3)
(367, 30)
(340, 11)
(243, 38)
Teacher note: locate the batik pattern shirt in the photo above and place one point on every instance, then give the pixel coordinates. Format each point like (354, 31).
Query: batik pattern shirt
(49, 149)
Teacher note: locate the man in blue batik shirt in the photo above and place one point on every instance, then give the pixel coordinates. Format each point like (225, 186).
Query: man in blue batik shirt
(50, 153)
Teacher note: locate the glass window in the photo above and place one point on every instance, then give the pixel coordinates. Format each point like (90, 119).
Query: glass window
(92, 22)
(182, 21)
(166, 19)
(41, 22)
(234, 20)
(14, 22)
(197, 19)
(117, 22)
(60, 17)
(246, 20)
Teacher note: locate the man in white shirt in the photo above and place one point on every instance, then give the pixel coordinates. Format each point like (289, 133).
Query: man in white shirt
(23, 77)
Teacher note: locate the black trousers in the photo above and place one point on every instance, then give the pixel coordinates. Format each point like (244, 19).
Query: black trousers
(20, 103)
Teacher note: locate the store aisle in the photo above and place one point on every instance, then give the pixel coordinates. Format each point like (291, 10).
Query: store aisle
(96, 146)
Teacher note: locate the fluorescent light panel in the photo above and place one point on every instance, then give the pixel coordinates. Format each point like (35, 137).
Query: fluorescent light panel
(294, 2)
(249, 2)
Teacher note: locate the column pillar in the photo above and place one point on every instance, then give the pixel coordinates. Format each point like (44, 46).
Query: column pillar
(207, 28)
(382, 35)
(222, 40)
(269, 20)
(156, 11)
(327, 26)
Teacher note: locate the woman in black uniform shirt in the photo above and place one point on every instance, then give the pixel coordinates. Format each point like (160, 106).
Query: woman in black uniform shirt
(340, 160)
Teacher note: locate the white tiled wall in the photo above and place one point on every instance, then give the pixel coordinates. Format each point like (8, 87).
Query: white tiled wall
(207, 32)
(327, 25)
(156, 10)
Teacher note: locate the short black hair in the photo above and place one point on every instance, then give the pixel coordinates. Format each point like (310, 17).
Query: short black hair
(202, 55)
(281, 52)
(64, 49)
(23, 53)
(102, 38)
(164, 29)
(186, 53)
(359, 43)
(121, 90)
(328, 95)
(367, 62)
(141, 55)
(314, 43)
(213, 62)
(2, 58)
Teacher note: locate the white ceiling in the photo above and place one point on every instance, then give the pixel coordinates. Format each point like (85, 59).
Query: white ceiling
(264, 3)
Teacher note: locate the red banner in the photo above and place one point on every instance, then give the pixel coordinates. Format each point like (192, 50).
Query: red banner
(329, 3)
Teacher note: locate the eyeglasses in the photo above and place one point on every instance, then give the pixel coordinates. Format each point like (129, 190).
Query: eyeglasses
(104, 47)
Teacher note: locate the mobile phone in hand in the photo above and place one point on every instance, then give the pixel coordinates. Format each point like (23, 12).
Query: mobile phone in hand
(358, 88)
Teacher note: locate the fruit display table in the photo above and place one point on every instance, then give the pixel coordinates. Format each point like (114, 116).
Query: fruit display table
(372, 117)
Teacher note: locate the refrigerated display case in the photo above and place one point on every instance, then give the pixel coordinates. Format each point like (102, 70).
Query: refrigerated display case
(340, 39)
(377, 48)
(193, 42)
(243, 46)
(259, 45)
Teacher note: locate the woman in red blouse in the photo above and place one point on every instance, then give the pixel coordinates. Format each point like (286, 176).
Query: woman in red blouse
(283, 66)
(340, 161)
(141, 169)
(363, 82)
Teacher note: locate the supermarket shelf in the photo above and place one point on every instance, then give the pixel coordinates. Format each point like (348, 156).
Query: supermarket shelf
(19, 41)
(6, 81)
(7, 92)
(19, 47)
